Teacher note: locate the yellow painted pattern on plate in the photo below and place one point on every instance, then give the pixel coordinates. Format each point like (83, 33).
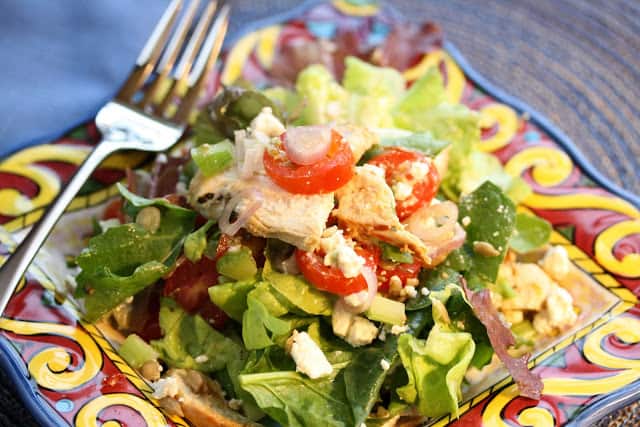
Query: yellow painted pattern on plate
(629, 266)
(581, 201)
(88, 414)
(626, 329)
(455, 78)
(51, 367)
(550, 165)
(237, 57)
(507, 121)
(265, 51)
(348, 8)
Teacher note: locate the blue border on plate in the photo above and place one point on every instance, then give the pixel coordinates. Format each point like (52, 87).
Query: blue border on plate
(15, 370)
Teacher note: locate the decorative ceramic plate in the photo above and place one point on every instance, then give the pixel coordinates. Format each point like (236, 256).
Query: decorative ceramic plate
(67, 373)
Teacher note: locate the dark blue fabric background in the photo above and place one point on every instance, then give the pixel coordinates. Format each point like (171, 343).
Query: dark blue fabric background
(576, 62)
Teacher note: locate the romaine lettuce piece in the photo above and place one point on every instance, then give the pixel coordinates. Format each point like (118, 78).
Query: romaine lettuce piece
(323, 98)
(365, 79)
(423, 142)
(190, 342)
(486, 167)
(436, 368)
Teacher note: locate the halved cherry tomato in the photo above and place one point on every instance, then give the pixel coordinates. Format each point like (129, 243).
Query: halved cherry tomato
(324, 176)
(331, 279)
(114, 210)
(396, 163)
(386, 271)
(188, 284)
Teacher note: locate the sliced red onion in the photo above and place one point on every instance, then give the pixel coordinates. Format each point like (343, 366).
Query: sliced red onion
(306, 145)
(372, 289)
(439, 253)
(252, 162)
(434, 224)
(253, 200)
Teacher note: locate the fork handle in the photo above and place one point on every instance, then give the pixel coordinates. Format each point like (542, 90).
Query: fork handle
(15, 267)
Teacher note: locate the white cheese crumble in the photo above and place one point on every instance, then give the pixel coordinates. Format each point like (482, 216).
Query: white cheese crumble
(397, 329)
(356, 330)
(361, 332)
(419, 169)
(372, 169)
(357, 299)
(385, 365)
(340, 253)
(556, 262)
(411, 291)
(402, 190)
(309, 359)
(466, 221)
(557, 314)
(425, 291)
(267, 124)
(165, 387)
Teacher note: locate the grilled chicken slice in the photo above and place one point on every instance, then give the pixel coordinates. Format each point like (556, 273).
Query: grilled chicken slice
(360, 139)
(294, 218)
(366, 206)
(190, 394)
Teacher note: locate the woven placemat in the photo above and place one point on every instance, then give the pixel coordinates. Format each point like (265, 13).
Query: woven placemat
(574, 61)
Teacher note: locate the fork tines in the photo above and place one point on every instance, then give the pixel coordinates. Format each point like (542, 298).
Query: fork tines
(168, 90)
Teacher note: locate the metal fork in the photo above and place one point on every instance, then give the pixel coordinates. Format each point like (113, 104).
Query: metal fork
(140, 116)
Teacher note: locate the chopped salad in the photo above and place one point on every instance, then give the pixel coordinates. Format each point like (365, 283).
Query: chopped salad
(332, 254)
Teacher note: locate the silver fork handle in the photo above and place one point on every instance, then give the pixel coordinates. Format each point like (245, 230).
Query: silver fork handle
(15, 267)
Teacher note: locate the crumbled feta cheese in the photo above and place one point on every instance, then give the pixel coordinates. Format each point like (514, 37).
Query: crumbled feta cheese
(556, 262)
(361, 332)
(382, 336)
(397, 329)
(340, 253)
(385, 365)
(410, 291)
(267, 124)
(341, 320)
(558, 312)
(425, 291)
(310, 360)
(419, 169)
(357, 299)
(165, 387)
(202, 358)
(466, 221)
(402, 190)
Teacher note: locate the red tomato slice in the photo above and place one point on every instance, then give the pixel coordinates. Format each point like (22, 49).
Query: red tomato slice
(188, 284)
(324, 176)
(396, 163)
(386, 271)
(331, 279)
(114, 210)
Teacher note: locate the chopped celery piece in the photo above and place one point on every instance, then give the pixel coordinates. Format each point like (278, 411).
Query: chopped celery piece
(387, 311)
(135, 351)
(213, 159)
(395, 254)
(237, 264)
